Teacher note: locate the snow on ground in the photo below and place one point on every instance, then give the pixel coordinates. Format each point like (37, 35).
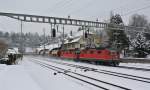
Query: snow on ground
(15, 78)
(46, 78)
(30, 76)
(115, 69)
(138, 65)
(132, 84)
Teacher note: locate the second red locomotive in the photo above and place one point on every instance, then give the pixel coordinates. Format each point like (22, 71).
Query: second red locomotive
(102, 56)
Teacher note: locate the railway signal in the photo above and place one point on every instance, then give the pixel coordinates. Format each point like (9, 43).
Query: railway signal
(86, 35)
(53, 32)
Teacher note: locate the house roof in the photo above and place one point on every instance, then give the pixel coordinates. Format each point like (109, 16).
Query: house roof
(76, 39)
(49, 47)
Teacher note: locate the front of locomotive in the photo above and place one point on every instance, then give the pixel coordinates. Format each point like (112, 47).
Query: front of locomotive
(115, 57)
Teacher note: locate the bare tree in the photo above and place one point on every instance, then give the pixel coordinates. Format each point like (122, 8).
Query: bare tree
(137, 20)
(139, 40)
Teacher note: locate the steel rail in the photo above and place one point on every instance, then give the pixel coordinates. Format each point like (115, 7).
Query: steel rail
(86, 76)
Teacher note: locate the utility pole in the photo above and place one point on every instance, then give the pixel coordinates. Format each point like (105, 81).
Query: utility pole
(44, 41)
(63, 36)
(21, 40)
(51, 32)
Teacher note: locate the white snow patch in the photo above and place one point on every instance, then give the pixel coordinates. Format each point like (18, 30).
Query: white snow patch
(15, 78)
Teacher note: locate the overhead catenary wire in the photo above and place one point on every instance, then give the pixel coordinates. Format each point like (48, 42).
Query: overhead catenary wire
(89, 4)
(136, 10)
(67, 7)
(125, 5)
(60, 5)
(3, 26)
(55, 5)
(130, 12)
(129, 9)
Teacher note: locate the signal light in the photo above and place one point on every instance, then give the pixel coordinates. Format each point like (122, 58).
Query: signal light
(53, 33)
(86, 35)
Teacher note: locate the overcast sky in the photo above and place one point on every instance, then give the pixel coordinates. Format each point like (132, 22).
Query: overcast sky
(79, 9)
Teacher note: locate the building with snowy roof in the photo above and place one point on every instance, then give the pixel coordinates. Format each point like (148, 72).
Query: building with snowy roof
(80, 41)
(47, 48)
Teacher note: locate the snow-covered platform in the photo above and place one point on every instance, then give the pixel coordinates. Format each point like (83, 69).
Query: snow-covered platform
(15, 77)
(29, 76)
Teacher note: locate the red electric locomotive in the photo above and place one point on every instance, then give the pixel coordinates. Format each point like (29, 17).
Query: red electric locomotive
(97, 56)
(89, 48)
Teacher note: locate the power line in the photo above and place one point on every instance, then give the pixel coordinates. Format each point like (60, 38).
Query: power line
(65, 5)
(55, 5)
(81, 8)
(128, 10)
(123, 6)
(146, 7)
(60, 5)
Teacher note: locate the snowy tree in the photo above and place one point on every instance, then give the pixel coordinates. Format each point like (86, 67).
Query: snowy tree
(118, 39)
(140, 41)
(141, 45)
(28, 39)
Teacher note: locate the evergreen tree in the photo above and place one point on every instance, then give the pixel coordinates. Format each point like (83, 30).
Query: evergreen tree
(118, 39)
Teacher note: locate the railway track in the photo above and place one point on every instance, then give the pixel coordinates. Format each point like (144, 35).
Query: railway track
(125, 67)
(134, 68)
(92, 81)
(112, 73)
(134, 60)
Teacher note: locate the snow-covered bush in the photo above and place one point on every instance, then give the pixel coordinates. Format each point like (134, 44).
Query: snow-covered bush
(141, 45)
